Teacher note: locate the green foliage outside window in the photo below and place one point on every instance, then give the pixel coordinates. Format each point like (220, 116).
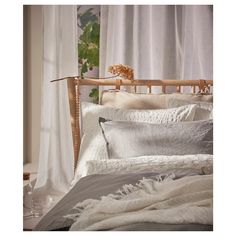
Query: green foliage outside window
(88, 44)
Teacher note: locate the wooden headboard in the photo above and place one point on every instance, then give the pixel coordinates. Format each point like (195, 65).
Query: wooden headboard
(74, 83)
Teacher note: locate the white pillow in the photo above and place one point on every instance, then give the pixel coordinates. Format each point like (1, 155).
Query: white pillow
(93, 145)
(125, 100)
(204, 110)
(202, 162)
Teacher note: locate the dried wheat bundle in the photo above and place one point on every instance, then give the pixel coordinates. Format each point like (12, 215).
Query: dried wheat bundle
(123, 71)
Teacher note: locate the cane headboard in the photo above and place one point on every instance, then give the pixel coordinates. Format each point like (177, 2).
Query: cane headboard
(74, 83)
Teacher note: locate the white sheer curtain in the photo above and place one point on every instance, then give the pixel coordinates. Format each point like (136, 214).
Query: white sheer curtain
(158, 41)
(55, 170)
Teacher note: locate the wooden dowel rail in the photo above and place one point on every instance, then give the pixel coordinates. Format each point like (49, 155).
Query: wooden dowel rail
(178, 88)
(149, 88)
(125, 82)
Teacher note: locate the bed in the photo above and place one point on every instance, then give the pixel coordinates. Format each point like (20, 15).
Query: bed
(142, 162)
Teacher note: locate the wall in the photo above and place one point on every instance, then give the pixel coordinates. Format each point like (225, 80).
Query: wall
(33, 49)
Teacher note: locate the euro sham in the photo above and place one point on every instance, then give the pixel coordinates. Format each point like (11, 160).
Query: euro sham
(131, 139)
(93, 145)
(125, 100)
(204, 110)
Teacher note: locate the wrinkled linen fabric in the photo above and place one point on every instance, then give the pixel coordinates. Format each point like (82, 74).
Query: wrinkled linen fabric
(160, 200)
(98, 185)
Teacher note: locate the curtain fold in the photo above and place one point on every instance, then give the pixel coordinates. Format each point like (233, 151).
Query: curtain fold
(56, 170)
(158, 41)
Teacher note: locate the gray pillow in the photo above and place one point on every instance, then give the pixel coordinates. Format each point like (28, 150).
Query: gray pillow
(131, 139)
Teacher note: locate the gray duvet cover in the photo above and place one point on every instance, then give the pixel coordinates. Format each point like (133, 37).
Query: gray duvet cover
(95, 186)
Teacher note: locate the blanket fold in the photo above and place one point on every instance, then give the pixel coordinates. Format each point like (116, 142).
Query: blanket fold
(160, 200)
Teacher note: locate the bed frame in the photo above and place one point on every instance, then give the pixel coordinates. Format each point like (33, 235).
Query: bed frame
(74, 83)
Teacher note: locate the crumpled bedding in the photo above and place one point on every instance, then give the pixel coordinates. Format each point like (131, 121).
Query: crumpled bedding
(95, 186)
(160, 200)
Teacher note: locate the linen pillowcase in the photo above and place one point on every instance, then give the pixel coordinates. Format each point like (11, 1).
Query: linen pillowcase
(132, 139)
(204, 110)
(125, 100)
(202, 162)
(93, 145)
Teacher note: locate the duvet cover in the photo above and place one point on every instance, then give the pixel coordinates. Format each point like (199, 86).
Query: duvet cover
(177, 199)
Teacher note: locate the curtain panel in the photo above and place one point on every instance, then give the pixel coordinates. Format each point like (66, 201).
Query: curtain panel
(158, 41)
(56, 157)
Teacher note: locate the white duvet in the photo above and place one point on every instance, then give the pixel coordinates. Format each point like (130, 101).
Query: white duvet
(181, 201)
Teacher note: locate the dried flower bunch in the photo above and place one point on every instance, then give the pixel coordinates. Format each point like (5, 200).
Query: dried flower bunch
(123, 71)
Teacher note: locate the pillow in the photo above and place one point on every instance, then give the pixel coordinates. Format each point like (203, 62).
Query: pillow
(203, 112)
(93, 145)
(203, 162)
(125, 100)
(132, 139)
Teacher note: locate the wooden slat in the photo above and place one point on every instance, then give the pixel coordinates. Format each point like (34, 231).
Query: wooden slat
(77, 122)
(118, 83)
(149, 87)
(72, 102)
(178, 89)
(163, 88)
(73, 93)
